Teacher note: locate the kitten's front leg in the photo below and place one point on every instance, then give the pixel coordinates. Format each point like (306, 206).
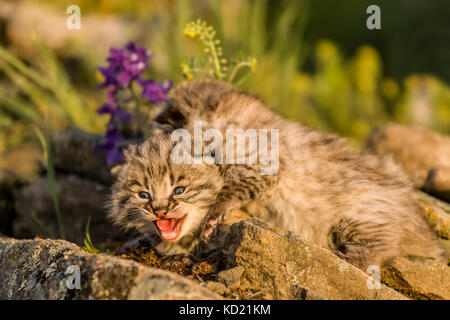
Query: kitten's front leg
(242, 183)
(208, 244)
(215, 215)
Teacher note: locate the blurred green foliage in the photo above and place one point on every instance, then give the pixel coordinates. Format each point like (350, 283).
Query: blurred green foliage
(51, 177)
(314, 65)
(39, 92)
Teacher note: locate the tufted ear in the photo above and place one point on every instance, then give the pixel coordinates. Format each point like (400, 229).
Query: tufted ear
(161, 129)
(190, 99)
(171, 116)
(117, 169)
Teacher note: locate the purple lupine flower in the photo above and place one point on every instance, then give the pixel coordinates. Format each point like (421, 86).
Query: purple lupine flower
(111, 146)
(134, 64)
(125, 66)
(108, 108)
(116, 58)
(123, 115)
(155, 92)
(111, 94)
(110, 77)
(111, 108)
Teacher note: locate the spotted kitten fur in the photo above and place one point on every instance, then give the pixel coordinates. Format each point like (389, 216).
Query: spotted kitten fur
(148, 169)
(356, 204)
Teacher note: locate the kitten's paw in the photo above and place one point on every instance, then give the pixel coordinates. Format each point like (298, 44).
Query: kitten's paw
(207, 232)
(133, 245)
(210, 226)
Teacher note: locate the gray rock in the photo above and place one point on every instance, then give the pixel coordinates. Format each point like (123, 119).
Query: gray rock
(286, 267)
(437, 183)
(8, 181)
(416, 149)
(76, 151)
(436, 212)
(218, 288)
(418, 279)
(79, 199)
(231, 277)
(40, 269)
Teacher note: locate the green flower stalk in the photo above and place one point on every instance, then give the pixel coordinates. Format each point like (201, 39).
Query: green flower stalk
(212, 46)
(220, 66)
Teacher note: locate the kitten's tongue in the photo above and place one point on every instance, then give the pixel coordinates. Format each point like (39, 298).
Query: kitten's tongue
(168, 228)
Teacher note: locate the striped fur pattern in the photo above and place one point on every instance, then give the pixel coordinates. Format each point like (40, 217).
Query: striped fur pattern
(148, 168)
(357, 205)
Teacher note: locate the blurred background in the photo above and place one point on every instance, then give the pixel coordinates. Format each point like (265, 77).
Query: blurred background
(316, 62)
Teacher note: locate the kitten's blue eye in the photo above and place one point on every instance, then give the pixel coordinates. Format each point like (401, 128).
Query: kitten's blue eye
(178, 190)
(144, 195)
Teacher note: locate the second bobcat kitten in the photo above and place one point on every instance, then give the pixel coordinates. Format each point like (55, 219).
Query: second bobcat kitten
(355, 204)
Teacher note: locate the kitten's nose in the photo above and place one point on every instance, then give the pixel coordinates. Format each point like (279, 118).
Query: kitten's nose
(160, 212)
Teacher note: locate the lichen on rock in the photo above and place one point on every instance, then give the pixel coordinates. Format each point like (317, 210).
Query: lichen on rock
(38, 269)
(285, 266)
(418, 278)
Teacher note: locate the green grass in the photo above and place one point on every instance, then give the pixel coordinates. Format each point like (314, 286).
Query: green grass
(88, 245)
(48, 157)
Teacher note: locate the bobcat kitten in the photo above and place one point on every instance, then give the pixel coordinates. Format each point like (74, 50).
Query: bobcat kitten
(356, 204)
(163, 200)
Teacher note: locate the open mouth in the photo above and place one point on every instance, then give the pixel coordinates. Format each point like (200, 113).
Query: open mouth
(169, 229)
